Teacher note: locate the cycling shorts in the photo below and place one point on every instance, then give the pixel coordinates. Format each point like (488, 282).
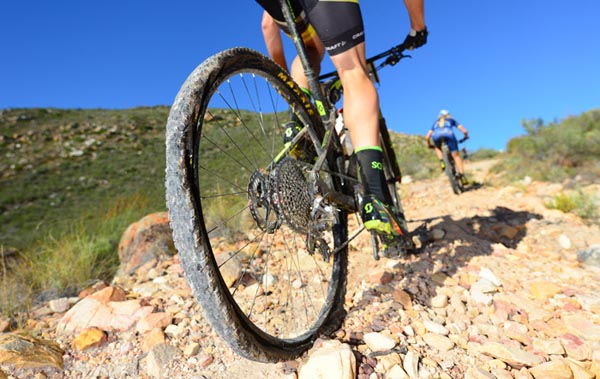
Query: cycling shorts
(338, 23)
(446, 133)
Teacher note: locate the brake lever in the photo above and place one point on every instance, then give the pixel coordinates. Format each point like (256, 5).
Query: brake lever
(394, 58)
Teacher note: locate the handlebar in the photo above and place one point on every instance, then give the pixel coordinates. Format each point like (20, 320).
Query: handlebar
(394, 55)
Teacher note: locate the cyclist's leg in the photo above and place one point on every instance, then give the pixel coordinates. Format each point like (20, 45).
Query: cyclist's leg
(438, 151)
(453, 147)
(314, 48)
(339, 25)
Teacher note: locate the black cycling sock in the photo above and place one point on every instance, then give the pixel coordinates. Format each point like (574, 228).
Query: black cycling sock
(371, 173)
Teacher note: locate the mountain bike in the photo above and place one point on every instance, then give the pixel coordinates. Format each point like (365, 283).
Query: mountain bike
(450, 167)
(263, 233)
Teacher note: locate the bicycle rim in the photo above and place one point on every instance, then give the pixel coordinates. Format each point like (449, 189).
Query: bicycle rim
(240, 222)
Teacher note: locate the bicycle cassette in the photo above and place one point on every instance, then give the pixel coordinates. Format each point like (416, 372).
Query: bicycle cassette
(291, 194)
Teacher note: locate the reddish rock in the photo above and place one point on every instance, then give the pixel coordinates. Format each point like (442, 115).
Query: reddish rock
(100, 311)
(147, 239)
(153, 320)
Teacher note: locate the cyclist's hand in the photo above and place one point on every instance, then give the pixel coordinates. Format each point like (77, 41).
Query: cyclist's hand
(466, 137)
(415, 39)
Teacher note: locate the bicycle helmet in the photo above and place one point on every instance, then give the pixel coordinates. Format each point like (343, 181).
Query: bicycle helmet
(443, 113)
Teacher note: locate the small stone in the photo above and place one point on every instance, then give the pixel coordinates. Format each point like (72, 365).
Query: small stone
(205, 360)
(515, 357)
(575, 347)
(153, 320)
(89, 338)
(434, 327)
(580, 372)
(487, 274)
(155, 337)
(390, 360)
(379, 342)
(548, 346)
(558, 369)
(403, 298)
(396, 372)
(582, 327)
(438, 234)
(479, 297)
(411, 364)
(439, 301)
(439, 342)
(564, 241)
(159, 358)
(176, 331)
(59, 305)
(191, 349)
(484, 286)
(543, 290)
(331, 360)
(380, 277)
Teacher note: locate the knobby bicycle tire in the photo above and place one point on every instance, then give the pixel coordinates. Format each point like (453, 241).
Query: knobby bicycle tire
(238, 219)
(450, 170)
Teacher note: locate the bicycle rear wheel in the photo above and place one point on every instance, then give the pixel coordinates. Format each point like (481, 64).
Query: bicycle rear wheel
(242, 213)
(450, 170)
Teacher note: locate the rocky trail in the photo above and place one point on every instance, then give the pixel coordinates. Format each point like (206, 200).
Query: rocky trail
(507, 289)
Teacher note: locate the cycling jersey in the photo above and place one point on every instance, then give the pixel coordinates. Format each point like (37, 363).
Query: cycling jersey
(338, 23)
(443, 129)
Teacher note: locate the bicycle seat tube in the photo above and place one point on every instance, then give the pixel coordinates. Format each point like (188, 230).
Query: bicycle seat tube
(327, 114)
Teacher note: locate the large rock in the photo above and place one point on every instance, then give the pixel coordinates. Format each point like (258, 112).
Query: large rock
(29, 352)
(146, 240)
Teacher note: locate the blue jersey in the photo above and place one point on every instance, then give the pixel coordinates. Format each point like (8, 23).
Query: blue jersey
(444, 128)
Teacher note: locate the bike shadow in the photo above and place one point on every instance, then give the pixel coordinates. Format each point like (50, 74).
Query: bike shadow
(464, 239)
(420, 275)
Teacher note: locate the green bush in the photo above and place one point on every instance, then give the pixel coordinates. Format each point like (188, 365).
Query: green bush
(576, 202)
(555, 151)
(483, 154)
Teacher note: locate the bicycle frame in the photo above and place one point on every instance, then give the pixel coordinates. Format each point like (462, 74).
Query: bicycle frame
(325, 104)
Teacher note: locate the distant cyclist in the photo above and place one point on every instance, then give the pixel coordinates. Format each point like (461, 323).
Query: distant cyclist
(336, 27)
(442, 128)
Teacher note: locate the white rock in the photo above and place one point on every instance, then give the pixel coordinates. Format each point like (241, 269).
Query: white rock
(59, 305)
(411, 365)
(396, 372)
(379, 342)
(434, 327)
(487, 274)
(333, 360)
(439, 301)
(564, 241)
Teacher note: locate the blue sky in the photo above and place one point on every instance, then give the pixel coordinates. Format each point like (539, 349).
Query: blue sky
(491, 63)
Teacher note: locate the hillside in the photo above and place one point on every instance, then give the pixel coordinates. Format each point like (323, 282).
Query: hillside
(509, 291)
(59, 164)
